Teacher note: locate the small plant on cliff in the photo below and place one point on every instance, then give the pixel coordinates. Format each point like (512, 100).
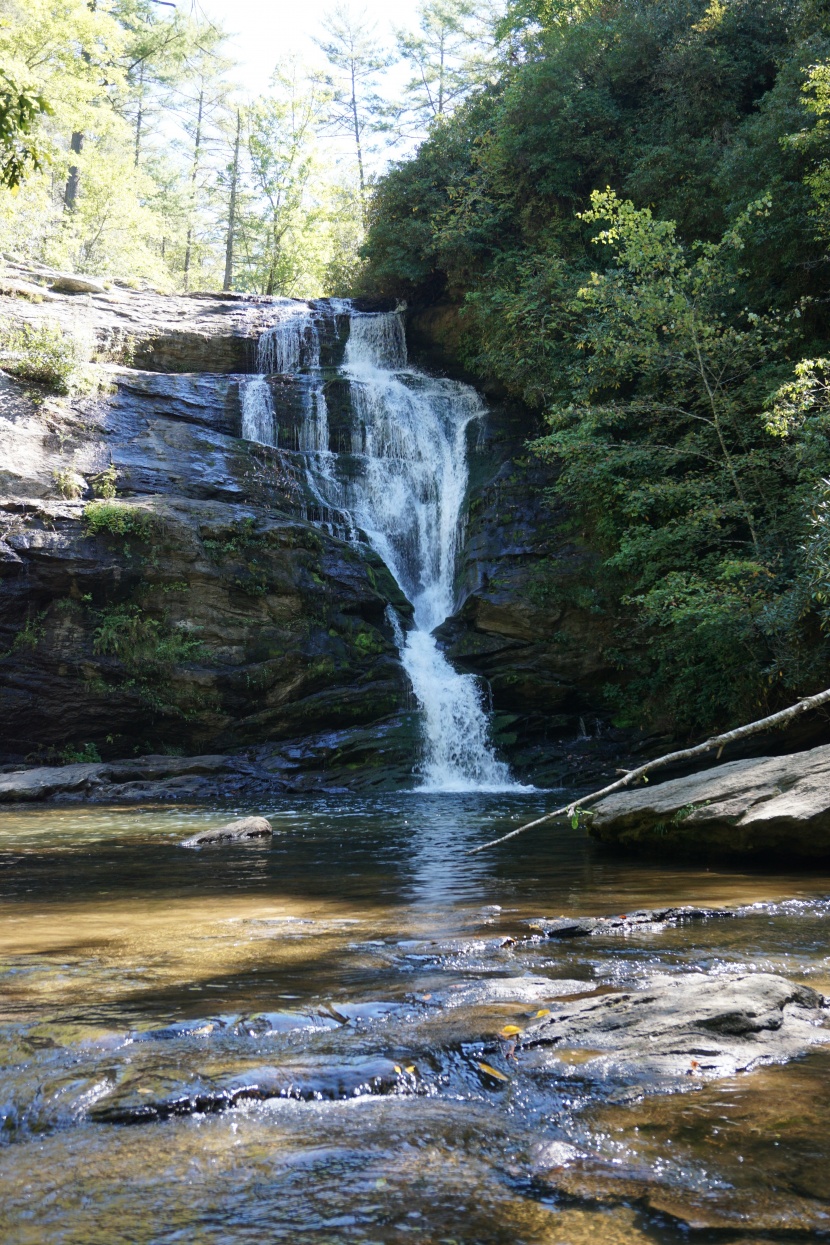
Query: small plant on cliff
(29, 635)
(76, 754)
(145, 646)
(117, 519)
(103, 484)
(43, 354)
(69, 483)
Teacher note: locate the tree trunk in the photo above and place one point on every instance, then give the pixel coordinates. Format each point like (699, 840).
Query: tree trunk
(441, 79)
(73, 182)
(228, 282)
(357, 142)
(140, 115)
(197, 144)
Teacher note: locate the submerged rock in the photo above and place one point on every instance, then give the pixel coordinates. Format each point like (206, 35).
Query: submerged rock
(152, 1097)
(645, 918)
(234, 832)
(775, 805)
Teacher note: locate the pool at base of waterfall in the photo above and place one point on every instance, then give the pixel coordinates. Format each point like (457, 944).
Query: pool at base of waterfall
(348, 1033)
(401, 483)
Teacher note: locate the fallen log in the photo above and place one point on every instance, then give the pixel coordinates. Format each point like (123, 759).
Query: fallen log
(685, 754)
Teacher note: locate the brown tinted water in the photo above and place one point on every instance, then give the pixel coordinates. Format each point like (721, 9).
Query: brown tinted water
(130, 968)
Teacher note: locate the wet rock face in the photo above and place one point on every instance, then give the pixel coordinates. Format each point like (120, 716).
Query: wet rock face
(197, 610)
(681, 1026)
(766, 804)
(203, 625)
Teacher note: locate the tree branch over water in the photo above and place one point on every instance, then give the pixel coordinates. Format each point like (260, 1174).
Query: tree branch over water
(686, 754)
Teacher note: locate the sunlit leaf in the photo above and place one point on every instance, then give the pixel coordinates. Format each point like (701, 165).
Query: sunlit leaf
(509, 1031)
(494, 1072)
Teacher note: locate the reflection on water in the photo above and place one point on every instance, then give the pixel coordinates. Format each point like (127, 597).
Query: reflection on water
(109, 929)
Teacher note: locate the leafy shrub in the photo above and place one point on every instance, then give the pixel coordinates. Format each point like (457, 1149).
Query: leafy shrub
(69, 483)
(76, 754)
(117, 519)
(41, 353)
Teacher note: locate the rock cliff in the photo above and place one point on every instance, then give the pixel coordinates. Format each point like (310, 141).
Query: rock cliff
(161, 587)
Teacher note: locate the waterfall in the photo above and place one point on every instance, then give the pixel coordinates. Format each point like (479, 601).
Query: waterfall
(258, 423)
(403, 491)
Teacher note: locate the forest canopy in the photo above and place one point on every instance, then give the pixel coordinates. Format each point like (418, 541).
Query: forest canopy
(129, 148)
(632, 221)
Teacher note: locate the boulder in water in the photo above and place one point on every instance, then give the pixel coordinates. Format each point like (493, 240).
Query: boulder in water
(771, 805)
(679, 1026)
(234, 832)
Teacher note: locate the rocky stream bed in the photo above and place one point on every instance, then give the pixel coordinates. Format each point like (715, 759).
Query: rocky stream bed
(351, 1030)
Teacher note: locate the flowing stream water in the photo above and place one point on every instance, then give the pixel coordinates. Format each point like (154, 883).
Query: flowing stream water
(403, 489)
(360, 940)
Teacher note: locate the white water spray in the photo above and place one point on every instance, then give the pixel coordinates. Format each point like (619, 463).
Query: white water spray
(405, 492)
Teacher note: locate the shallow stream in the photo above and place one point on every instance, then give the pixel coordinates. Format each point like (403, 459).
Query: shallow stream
(370, 965)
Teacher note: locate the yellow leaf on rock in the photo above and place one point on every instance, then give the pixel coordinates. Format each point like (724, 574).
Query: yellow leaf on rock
(494, 1072)
(543, 1011)
(410, 1069)
(509, 1031)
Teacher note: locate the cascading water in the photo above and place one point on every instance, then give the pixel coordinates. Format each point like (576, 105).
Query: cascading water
(404, 491)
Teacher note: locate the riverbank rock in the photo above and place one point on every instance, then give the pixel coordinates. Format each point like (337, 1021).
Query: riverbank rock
(234, 832)
(768, 805)
(678, 1027)
(374, 758)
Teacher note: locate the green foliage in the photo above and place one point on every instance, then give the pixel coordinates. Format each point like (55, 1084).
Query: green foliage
(41, 353)
(103, 484)
(145, 646)
(113, 518)
(75, 754)
(663, 453)
(283, 241)
(69, 483)
(29, 636)
(21, 108)
(654, 330)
